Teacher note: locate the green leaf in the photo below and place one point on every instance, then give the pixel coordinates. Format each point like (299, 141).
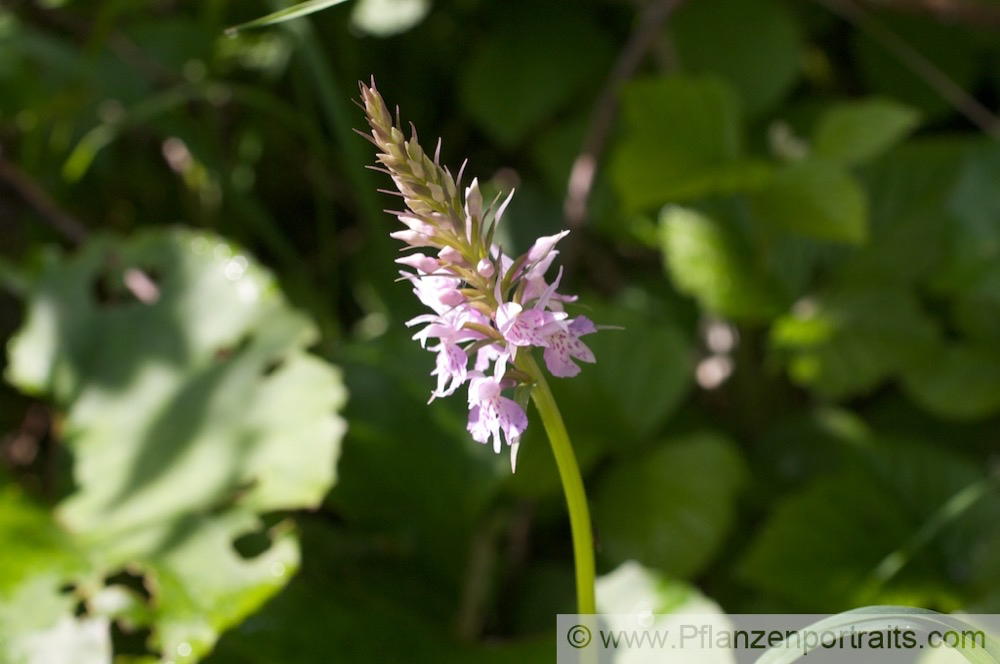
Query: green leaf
(849, 342)
(911, 227)
(36, 613)
(191, 409)
(756, 47)
(922, 509)
(815, 198)
(395, 437)
(518, 75)
(957, 381)
(681, 141)
(855, 132)
(34, 544)
(975, 250)
(287, 14)
(809, 552)
(706, 260)
(645, 369)
(671, 507)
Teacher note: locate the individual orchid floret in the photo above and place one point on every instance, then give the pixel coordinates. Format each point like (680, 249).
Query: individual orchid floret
(564, 345)
(486, 305)
(492, 414)
(526, 327)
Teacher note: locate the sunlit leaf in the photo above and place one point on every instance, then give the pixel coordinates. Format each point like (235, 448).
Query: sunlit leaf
(682, 140)
(815, 198)
(858, 131)
(192, 408)
(706, 260)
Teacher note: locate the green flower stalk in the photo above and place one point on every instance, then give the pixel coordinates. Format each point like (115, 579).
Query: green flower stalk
(488, 309)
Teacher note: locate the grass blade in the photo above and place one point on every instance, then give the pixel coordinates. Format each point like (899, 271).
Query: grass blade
(287, 14)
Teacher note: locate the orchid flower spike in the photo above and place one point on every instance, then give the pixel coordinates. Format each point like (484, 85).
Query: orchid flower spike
(485, 305)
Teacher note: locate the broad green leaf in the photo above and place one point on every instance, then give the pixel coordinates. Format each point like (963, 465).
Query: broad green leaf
(976, 309)
(815, 198)
(34, 543)
(36, 611)
(921, 510)
(855, 132)
(681, 140)
(518, 76)
(974, 203)
(849, 342)
(754, 46)
(645, 369)
(191, 409)
(911, 225)
(706, 260)
(957, 381)
(287, 14)
(670, 507)
(396, 441)
(971, 274)
(807, 445)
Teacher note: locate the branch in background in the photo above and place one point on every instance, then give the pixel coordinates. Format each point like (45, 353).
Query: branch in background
(938, 81)
(140, 284)
(581, 178)
(35, 197)
(950, 11)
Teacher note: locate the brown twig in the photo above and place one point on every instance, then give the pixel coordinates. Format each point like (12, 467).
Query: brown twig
(36, 197)
(581, 178)
(935, 78)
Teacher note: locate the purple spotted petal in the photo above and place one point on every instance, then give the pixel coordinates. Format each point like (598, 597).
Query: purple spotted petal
(451, 369)
(562, 347)
(582, 325)
(524, 327)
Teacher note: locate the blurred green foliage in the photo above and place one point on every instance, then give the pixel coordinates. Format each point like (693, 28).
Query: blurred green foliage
(799, 234)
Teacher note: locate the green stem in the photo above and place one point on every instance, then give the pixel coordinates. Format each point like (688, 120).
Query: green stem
(572, 481)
